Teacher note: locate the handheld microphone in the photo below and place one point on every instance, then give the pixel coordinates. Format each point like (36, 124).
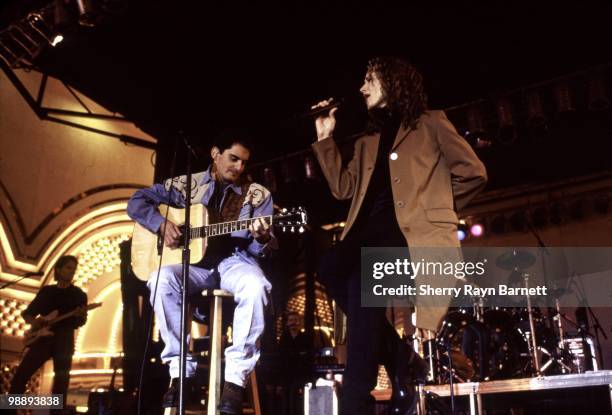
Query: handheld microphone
(318, 111)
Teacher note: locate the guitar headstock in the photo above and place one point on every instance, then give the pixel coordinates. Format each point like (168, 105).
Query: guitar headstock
(291, 220)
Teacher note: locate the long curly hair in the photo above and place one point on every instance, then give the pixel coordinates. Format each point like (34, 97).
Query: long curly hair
(402, 86)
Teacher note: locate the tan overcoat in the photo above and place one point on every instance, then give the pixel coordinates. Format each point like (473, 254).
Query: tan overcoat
(434, 173)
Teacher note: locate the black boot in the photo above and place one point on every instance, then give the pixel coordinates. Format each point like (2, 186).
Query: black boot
(410, 370)
(231, 399)
(192, 395)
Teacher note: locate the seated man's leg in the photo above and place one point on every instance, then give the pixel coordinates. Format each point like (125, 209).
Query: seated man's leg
(167, 307)
(250, 288)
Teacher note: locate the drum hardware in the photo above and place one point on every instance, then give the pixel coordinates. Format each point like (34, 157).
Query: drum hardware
(432, 357)
(555, 356)
(533, 344)
(515, 260)
(561, 351)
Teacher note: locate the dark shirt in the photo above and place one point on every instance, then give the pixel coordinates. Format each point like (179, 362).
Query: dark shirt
(64, 300)
(221, 246)
(377, 224)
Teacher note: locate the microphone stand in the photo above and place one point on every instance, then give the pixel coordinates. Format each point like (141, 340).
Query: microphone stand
(26, 275)
(185, 278)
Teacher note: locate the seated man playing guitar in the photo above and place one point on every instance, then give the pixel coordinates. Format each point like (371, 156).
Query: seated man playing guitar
(231, 260)
(58, 342)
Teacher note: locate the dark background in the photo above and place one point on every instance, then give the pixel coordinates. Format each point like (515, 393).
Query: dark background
(199, 67)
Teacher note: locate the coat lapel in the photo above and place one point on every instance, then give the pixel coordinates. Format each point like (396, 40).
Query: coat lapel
(402, 133)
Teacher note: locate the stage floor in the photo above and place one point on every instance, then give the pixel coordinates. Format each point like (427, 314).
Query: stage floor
(526, 388)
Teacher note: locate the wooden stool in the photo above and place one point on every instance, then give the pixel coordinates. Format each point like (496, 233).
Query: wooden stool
(216, 354)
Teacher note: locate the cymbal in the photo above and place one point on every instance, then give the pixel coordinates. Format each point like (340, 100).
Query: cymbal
(515, 260)
(559, 292)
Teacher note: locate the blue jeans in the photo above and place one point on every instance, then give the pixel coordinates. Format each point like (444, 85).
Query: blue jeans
(246, 281)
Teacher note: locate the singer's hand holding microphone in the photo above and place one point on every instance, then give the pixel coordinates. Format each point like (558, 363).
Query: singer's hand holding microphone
(325, 123)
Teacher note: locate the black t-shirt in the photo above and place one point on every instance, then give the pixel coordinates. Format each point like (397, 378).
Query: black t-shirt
(64, 300)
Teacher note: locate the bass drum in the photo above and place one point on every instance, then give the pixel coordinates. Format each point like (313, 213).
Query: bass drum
(508, 353)
(467, 339)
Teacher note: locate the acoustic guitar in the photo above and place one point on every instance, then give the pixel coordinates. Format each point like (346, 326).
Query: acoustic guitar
(148, 247)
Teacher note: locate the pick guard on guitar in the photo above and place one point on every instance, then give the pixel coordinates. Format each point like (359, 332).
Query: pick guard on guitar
(145, 256)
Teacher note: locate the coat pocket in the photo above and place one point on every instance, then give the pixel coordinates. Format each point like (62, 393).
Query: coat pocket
(443, 215)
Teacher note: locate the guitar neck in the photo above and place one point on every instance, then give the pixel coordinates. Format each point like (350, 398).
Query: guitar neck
(71, 313)
(62, 317)
(224, 228)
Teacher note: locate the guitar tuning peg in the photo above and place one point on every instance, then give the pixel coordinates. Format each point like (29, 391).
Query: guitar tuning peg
(284, 229)
(284, 210)
(293, 229)
(301, 229)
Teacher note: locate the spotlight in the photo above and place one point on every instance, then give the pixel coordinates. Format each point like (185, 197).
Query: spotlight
(477, 230)
(507, 130)
(38, 23)
(598, 101)
(461, 235)
(57, 40)
(537, 124)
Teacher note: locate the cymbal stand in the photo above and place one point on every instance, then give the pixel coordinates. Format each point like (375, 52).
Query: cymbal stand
(556, 356)
(533, 344)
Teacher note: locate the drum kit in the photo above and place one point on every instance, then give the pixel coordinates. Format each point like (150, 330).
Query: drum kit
(481, 343)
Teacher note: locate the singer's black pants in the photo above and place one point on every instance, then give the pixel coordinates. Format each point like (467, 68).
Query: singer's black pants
(60, 348)
(371, 340)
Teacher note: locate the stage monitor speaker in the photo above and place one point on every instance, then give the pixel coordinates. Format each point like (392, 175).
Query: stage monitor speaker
(321, 399)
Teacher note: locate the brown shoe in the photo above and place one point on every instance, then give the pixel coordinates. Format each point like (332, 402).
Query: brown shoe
(231, 399)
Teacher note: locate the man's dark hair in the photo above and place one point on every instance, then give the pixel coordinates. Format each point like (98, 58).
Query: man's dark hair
(63, 260)
(228, 137)
(402, 86)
